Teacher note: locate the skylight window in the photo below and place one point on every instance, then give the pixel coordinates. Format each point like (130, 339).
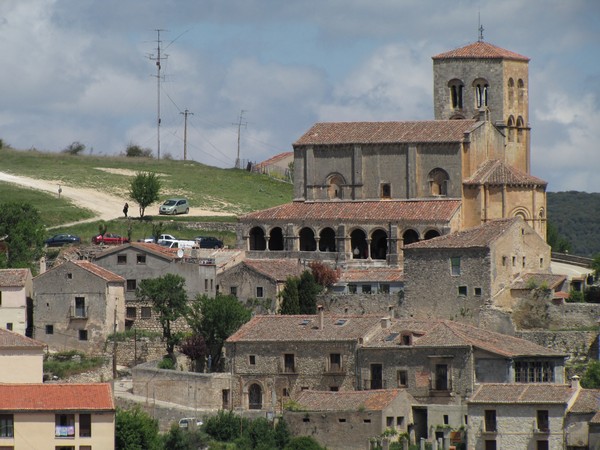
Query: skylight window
(391, 337)
(305, 322)
(341, 322)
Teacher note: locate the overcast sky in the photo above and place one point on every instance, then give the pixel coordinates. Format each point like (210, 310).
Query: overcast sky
(83, 70)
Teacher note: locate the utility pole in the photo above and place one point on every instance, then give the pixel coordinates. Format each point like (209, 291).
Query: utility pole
(239, 125)
(185, 114)
(158, 58)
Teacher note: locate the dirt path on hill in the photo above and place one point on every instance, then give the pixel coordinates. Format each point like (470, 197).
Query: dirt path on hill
(106, 206)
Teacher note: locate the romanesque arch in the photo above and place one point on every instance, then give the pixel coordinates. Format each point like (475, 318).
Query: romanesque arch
(521, 212)
(456, 87)
(511, 92)
(334, 183)
(308, 242)
(521, 92)
(510, 124)
(276, 239)
(379, 244)
(327, 240)
(430, 234)
(255, 396)
(520, 127)
(481, 87)
(410, 236)
(438, 181)
(358, 244)
(257, 239)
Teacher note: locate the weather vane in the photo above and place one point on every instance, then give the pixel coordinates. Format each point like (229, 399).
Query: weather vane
(480, 27)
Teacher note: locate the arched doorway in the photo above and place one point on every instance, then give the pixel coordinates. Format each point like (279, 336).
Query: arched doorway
(334, 186)
(307, 240)
(438, 182)
(254, 396)
(378, 244)
(257, 239)
(358, 243)
(276, 239)
(327, 240)
(431, 234)
(410, 236)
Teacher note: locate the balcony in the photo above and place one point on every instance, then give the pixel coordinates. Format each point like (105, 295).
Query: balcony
(287, 368)
(370, 384)
(76, 312)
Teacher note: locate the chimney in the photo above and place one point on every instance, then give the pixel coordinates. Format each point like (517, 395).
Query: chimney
(575, 382)
(321, 316)
(386, 322)
(391, 311)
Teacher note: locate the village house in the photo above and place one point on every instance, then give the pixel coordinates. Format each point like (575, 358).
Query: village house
(58, 416)
(348, 420)
(373, 280)
(16, 288)
(77, 305)
(21, 358)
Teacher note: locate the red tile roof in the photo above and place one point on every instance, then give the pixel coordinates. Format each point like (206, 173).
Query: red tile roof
(56, 397)
(381, 274)
(481, 50)
(433, 211)
(519, 393)
(496, 173)
(275, 159)
(10, 339)
(275, 269)
(423, 131)
(13, 277)
(305, 328)
(99, 271)
(477, 237)
(149, 247)
(587, 402)
(372, 400)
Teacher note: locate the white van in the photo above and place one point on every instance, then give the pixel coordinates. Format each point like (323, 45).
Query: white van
(178, 243)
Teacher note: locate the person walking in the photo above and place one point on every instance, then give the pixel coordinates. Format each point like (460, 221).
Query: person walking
(125, 209)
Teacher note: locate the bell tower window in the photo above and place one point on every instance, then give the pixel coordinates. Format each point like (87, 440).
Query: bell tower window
(456, 94)
(481, 92)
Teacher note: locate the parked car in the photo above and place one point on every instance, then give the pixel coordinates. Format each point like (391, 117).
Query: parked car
(179, 243)
(175, 206)
(58, 240)
(208, 242)
(187, 421)
(109, 239)
(162, 237)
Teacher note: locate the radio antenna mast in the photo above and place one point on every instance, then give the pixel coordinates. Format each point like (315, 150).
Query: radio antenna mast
(239, 124)
(158, 58)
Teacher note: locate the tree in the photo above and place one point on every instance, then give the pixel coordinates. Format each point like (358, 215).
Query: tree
(144, 189)
(169, 301)
(158, 228)
(184, 439)
(303, 443)
(596, 266)
(136, 430)
(135, 151)
(591, 377)
(216, 319)
(74, 148)
(324, 275)
(556, 241)
(195, 348)
(22, 235)
(290, 302)
(308, 289)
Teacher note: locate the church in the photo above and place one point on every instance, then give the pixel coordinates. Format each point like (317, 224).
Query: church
(363, 190)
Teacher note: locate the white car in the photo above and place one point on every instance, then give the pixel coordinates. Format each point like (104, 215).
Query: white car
(187, 421)
(161, 238)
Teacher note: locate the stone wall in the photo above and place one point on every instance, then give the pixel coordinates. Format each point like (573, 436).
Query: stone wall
(579, 345)
(212, 226)
(361, 303)
(130, 352)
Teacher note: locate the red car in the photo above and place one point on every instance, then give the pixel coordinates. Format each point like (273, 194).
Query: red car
(109, 239)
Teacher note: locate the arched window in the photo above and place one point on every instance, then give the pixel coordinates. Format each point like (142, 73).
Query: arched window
(510, 124)
(255, 396)
(511, 92)
(521, 92)
(327, 240)
(456, 93)
(334, 186)
(307, 240)
(520, 128)
(410, 236)
(438, 182)
(481, 92)
(257, 239)
(431, 234)
(358, 243)
(276, 239)
(378, 244)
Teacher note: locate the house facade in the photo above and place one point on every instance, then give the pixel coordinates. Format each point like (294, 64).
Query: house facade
(16, 287)
(77, 305)
(21, 358)
(57, 416)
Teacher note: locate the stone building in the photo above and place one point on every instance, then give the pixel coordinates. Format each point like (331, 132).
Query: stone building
(473, 271)
(77, 305)
(363, 190)
(15, 295)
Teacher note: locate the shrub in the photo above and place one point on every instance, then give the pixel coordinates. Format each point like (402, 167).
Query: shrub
(575, 296)
(135, 151)
(74, 148)
(166, 363)
(72, 362)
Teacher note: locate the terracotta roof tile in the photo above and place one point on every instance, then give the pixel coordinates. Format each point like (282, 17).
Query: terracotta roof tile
(275, 269)
(372, 400)
(587, 402)
(423, 131)
(496, 173)
(382, 274)
(519, 393)
(481, 50)
(432, 211)
(538, 279)
(305, 328)
(13, 277)
(275, 159)
(477, 237)
(10, 339)
(56, 397)
(156, 249)
(99, 271)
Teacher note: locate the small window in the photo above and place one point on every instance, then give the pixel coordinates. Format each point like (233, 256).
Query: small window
(121, 259)
(386, 190)
(80, 310)
(206, 285)
(446, 419)
(542, 445)
(131, 285)
(252, 360)
(341, 420)
(400, 421)
(541, 262)
(69, 276)
(83, 335)
(366, 288)
(9, 326)
(402, 378)
(334, 388)
(407, 339)
(524, 262)
(478, 291)
(7, 426)
(366, 420)
(352, 288)
(85, 425)
(64, 425)
(305, 419)
(543, 423)
(389, 421)
(504, 261)
(49, 329)
(233, 291)
(335, 362)
(141, 259)
(259, 292)
(131, 312)
(455, 266)
(146, 312)
(514, 261)
(285, 392)
(384, 288)
(462, 291)
(289, 363)
(490, 420)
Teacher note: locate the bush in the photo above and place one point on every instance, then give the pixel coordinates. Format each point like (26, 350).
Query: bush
(65, 364)
(166, 363)
(75, 148)
(303, 443)
(592, 294)
(135, 151)
(575, 296)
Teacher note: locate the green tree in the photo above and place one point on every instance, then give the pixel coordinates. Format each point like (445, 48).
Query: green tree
(303, 443)
(136, 430)
(596, 266)
(215, 319)
(556, 241)
(591, 377)
(22, 233)
(308, 290)
(158, 228)
(184, 439)
(169, 301)
(290, 301)
(282, 433)
(74, 148)
(194, 347)
(226, 426)
(135, 151)
(144, 190)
